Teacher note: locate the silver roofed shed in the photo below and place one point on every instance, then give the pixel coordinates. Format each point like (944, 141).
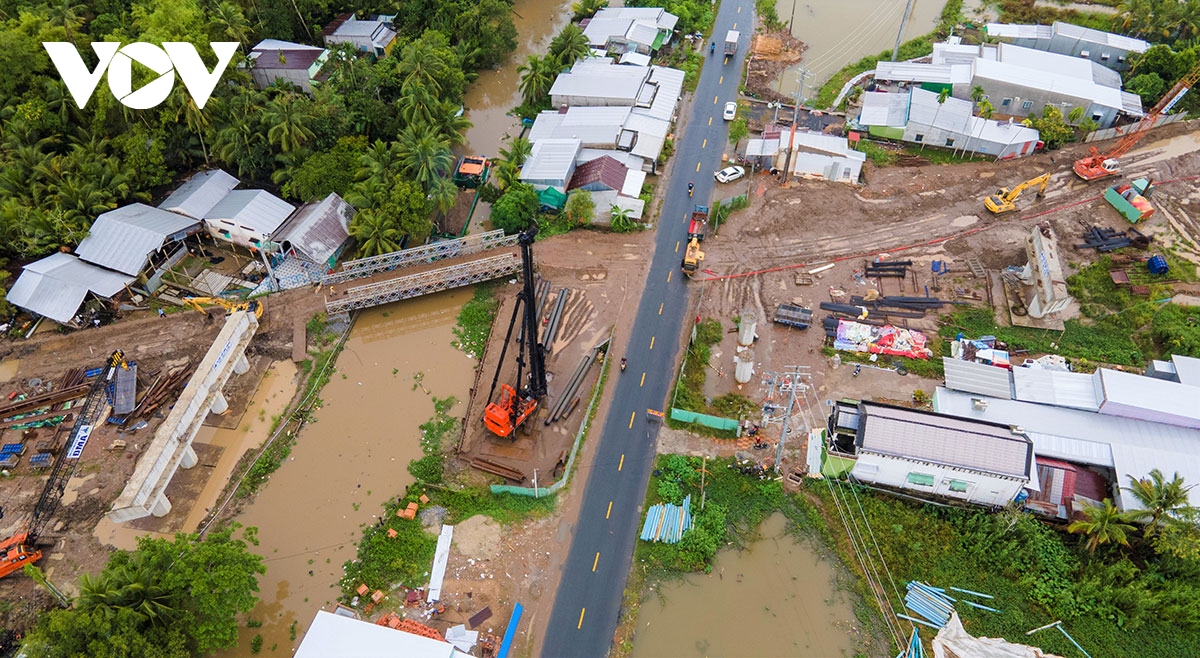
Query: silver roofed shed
(124, 238)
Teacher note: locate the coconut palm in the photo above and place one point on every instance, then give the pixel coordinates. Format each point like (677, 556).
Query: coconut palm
(1105, 524)
(452, 124)
(444, 194)
(66, 14)
(374, 233)
(1160, 498)
(941, 98)
(226, 22)
(288, 116)
(417, 104)
(537, 75)
(424, 156)
(518, 150)
(183, 109)
(419, 64)
(381, 161)
(569, 46)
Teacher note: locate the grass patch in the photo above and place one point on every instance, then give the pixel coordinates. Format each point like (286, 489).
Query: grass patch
(475, 320)
(943, 156)
(1080, 342)
(689, 389)
(877, 154)
(434, 433)
(318, 331)
(931, 367)
(1116, 603)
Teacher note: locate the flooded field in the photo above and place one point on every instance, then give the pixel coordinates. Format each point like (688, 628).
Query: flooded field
(353, 458)
(839, 32)
(489, 98)
(777, 598)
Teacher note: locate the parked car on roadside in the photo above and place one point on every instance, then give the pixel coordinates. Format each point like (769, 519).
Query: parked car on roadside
(729, 174)
(730, 111)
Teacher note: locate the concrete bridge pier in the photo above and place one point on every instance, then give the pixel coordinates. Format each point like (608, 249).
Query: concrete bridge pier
(219, 404)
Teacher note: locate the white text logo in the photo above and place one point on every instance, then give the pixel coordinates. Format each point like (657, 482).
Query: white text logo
(118, 60)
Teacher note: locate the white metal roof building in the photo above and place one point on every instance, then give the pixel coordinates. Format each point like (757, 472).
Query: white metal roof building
(1106, 48)
(605, 200)
(948, 124)
(123, 239)
(318, 231)
(247, 217)
(589, 84)
(594, 127)
(981, 378)
(1131, 447)
(1148, 398)
(667, 85)
(56, 285)
(882, 108)
(551, 163)
(200, 193)
(336, 636)
(662, 18)
(1074, 390)
(946, 74)
(1182, 369)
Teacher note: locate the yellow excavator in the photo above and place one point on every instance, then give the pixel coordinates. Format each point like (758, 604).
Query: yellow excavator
(253, 306)
(692, 257)
(1005, 200)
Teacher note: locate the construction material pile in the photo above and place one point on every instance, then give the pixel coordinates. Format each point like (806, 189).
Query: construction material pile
(1107, 239)
(934, 605)
(858, 337)
(667, 523)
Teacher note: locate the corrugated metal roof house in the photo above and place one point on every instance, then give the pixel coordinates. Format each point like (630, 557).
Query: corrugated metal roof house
(551, 163)
(200, 193)
(247, 217)
(123, 239)
(599, 174)
(56, 285)
(273, 60)
(1106, 48)
(317, 232)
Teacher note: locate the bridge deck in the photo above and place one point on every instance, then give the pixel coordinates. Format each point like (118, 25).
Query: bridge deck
(387, 287)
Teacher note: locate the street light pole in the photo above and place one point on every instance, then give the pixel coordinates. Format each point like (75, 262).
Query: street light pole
(900, 33)
(787, 166)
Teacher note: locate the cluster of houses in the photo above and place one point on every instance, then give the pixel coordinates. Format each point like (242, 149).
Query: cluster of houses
(1072, 68)
(129, 250)
(1051, 440)
(612, 114)
(273, 60)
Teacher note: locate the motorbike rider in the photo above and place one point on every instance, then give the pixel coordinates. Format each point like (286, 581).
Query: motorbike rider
(712, 47)
(691, 186)
(622, 363)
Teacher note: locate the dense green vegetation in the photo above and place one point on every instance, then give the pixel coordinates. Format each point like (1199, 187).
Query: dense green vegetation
(167, 599)
(377, 132)
(475, 320)
(435, 434)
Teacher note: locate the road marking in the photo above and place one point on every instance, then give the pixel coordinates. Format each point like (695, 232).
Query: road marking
(660, 308)
(632, 414)
(735, 26)
(643, 382)
(715, 99)
(704, 144)
(739, 10)
(609, 509)
(622, 464)
(697, 166)
(676, 251)
(595, 562)
(581, 611)
(652, 342)
(721, 80)
(669, 272)
(710, 121)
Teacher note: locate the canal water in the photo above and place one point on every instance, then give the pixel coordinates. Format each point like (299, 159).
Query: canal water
(839, 32)
(776, 598)
(352, 459)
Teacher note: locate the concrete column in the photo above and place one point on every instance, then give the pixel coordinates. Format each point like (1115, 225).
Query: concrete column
(241, 365)
(161, 506)
(189, 458)
(219, 405)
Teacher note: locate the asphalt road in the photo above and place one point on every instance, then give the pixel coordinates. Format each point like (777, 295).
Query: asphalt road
(584, 617)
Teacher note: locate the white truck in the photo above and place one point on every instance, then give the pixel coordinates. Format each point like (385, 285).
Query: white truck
(731, 41)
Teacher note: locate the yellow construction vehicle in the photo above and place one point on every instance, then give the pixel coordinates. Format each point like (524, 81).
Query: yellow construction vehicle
(1005, 200)
(251, 306)
(692, 257)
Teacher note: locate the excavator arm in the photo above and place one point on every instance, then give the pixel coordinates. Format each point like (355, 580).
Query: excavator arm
(1005, 200)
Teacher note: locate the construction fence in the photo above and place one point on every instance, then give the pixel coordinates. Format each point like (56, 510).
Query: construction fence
(715, 422)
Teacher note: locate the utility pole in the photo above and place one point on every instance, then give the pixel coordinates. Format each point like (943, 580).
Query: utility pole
(900, 33)
(787, 166)
(536, 492)
(791, 379)
(703, 471)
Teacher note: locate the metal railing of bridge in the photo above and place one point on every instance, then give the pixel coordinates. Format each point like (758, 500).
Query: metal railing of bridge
(424, 283)
(435, 251)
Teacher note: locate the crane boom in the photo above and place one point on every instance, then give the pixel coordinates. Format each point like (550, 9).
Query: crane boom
(1101, 165)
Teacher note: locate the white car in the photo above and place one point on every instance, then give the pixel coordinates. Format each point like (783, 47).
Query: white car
(730, 111)
(729, 174)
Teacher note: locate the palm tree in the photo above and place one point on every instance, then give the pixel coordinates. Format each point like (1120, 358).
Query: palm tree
(518, 150)
(537, 75)
(288, 117)
(1161, 499)
(452, 124)
(381, 160)
(941, 98)
(444, 194)
(416, 104)
(374, 233)
(66, 14)
(1104, 524)
(183, 109)
(569, 46)
(507, 174)
(227, 22)
(423, 155)
(419, 64)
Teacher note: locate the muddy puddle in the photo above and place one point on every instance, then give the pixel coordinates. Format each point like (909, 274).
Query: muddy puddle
(777, 598)
(839, 32)
(352, 459)
(489, 99)
(1164, 149)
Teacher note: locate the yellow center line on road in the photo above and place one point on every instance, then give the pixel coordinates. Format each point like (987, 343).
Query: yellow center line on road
(715, 100)
(704, 144)
(652, 342)
(721, 80)
(622, 464)
(677, 246)
(739, 10)
(669, 273)
(595, 562)
(697, 166)
(581, 611)
(643, 383)
(609, 509)
(632, 415)
(727, 59)
(660, 307)
(710, 121)
(735, 26)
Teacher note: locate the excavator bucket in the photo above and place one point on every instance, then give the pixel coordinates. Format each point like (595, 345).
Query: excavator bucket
(497, 416)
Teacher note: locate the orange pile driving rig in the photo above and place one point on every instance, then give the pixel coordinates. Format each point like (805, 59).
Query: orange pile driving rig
(513, 409)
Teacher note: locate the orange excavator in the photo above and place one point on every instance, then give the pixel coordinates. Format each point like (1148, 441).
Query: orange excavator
(504, 416)
(22, 548)
(1102, 165)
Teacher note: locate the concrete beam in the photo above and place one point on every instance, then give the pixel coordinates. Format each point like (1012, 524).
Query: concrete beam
(172, 445)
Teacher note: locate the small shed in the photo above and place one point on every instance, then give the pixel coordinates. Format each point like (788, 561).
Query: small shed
(126, 238)
(247, 217)
(56, 285)
(927, 453)
(200, 193)
(317, 232)
(551, 163)
(273, 60)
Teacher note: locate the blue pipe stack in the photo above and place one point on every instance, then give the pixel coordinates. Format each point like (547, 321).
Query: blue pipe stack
(931, 603)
